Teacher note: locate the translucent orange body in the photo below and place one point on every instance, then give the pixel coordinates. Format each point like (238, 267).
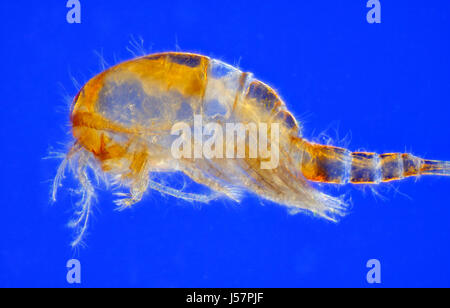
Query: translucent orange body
(122, 119)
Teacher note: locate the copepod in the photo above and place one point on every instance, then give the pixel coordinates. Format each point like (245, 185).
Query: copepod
(123, 119)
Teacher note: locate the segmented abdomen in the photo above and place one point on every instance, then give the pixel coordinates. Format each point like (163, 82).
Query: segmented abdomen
(328, 164)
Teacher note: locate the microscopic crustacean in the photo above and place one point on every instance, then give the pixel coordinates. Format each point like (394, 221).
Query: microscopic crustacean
(123, 123)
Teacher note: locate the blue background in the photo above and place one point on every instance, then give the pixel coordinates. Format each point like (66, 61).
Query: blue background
(387, 84)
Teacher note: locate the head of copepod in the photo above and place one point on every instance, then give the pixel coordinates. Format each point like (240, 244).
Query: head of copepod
(90, 129)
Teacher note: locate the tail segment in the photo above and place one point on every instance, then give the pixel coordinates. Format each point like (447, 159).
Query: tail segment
(328, 164)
